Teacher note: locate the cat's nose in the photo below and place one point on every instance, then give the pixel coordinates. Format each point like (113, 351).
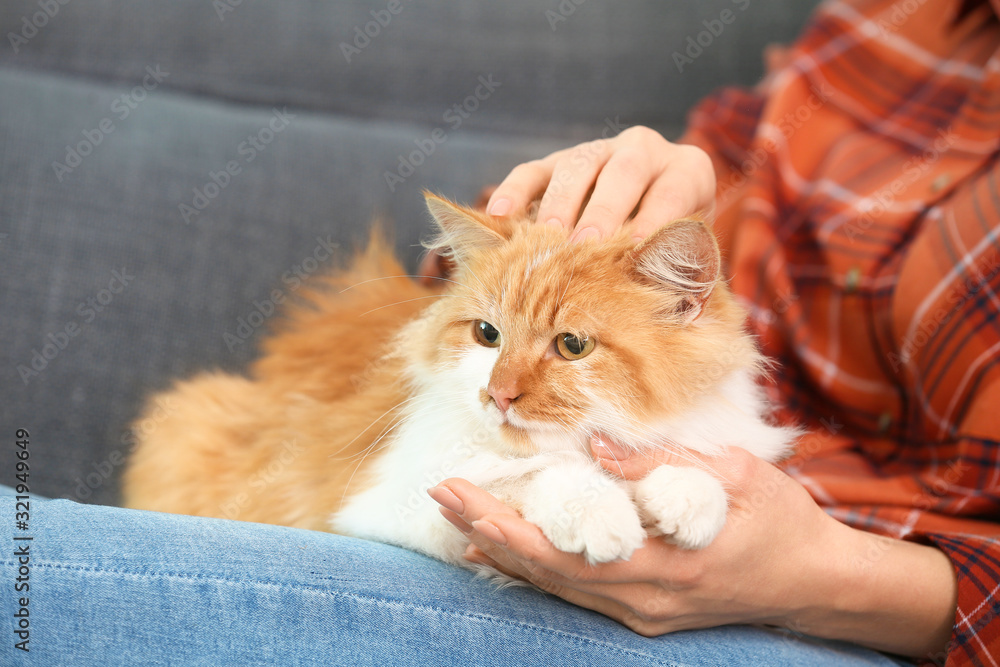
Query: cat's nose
(504, 396)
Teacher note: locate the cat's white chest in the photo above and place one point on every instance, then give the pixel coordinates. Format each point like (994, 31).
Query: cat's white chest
(437, 441)
(580, 508)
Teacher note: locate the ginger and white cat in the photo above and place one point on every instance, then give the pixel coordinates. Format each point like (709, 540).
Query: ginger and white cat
(378, 388)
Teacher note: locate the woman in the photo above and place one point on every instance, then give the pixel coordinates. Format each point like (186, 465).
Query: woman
(856, 194)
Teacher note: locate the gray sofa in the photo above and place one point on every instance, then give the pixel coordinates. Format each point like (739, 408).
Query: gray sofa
(165, 166)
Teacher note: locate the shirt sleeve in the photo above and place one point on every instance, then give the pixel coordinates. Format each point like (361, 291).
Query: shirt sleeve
(975, 558)
(976, 632)
(724, 124)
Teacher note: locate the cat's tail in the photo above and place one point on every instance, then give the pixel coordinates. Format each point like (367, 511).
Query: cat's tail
(192, 442)
(333, 335)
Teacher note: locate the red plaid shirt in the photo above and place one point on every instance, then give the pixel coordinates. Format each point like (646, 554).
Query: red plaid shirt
(859, 196)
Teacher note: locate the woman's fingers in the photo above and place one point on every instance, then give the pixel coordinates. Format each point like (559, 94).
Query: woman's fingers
(685, 187)
(496, 524)
(733, 466)
(599, 603)
(523, 185)
(573, 177)
(633, 464)
(625, 612)
(597, 186)
(619, 188)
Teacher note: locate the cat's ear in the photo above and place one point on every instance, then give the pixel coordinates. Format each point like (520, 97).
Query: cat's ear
(462, 229)
(682, 258)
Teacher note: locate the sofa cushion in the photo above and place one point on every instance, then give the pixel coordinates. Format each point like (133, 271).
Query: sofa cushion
(108, 293)
(564, 65)
(166, 166)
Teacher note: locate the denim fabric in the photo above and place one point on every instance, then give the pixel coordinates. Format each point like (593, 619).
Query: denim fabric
(110, 586)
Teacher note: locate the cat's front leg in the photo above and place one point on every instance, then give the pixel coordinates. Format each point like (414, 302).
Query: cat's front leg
(687, 505)
(582, 510)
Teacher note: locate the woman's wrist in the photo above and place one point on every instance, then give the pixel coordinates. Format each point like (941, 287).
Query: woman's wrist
(883, 593)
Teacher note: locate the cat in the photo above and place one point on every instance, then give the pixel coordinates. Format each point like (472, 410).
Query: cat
(376, 387)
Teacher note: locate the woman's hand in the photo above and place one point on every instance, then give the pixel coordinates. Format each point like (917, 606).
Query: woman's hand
(637, 171)
(779, 560)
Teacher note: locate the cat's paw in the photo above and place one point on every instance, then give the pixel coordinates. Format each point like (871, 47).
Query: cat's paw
(688, 505)
(581, 510)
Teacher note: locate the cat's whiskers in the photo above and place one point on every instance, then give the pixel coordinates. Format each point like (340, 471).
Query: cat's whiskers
(462, 266)
(365, 453)
(395, 421)
(598, 323)
(365, 430)
(638, 435)
(370, 449)
(413, 277)
(417, 298)
(617, 463)
(572, 272)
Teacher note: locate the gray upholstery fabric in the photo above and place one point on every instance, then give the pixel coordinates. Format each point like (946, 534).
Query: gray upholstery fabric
(560, 75)
(112, 294)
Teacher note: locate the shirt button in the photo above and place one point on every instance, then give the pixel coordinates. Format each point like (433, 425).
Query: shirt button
(884, 422)
(852, 279)
(941, 182)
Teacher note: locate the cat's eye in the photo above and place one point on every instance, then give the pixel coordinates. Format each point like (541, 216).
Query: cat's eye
(486, 334)
(573, 347)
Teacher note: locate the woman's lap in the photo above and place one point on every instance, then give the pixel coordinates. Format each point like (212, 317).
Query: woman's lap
(114, 586)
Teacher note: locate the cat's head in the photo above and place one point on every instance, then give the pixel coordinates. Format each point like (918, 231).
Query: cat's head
(548, 341)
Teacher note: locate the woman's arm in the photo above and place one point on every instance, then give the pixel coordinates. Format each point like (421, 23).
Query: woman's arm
(780, 560)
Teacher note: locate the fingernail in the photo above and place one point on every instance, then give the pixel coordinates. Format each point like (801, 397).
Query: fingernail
(586, 234)
(489, 531)
(443, 496)
(554, 222)
(458, 522)
(500, 207)
(605, 449)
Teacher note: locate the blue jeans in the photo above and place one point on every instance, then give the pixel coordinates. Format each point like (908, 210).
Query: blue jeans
(111, 586)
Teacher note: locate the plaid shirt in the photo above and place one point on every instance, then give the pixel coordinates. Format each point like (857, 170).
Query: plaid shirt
(859, 210)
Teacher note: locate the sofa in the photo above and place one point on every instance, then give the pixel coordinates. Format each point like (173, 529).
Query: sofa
(169, 171)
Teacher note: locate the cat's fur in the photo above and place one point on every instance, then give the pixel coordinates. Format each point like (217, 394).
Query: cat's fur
(376, 389)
